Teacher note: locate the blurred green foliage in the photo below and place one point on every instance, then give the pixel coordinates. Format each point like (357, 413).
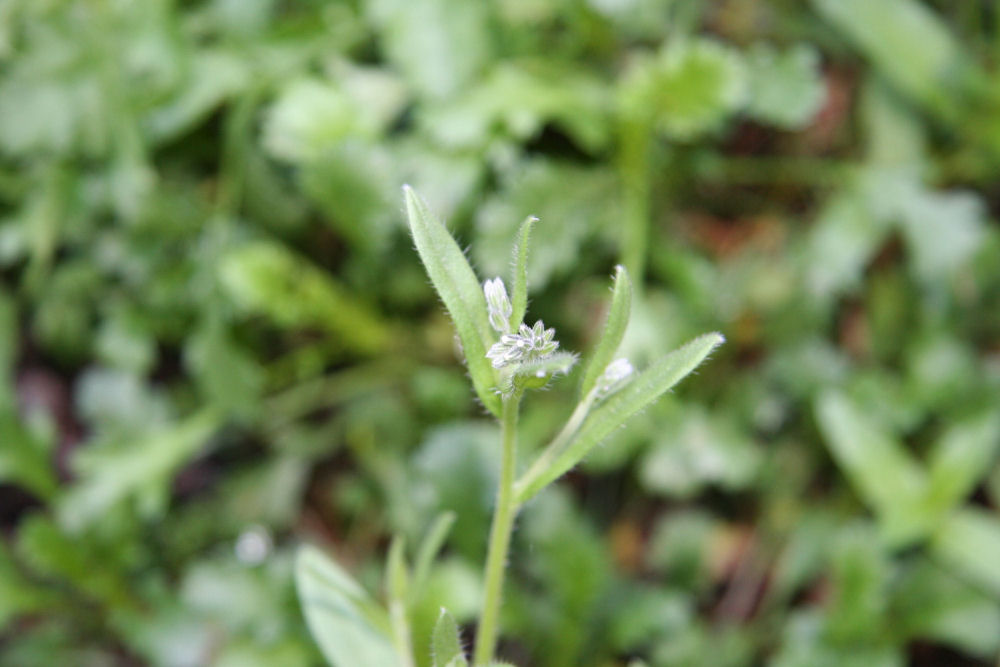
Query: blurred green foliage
(217, 342)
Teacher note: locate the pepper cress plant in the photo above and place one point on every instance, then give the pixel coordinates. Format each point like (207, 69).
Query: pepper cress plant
(506, 358)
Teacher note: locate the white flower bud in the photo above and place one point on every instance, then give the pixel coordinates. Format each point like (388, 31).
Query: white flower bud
(615, 376)
(498, 305)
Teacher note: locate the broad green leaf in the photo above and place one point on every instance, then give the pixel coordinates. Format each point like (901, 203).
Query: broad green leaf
(264, 277)
(398, 576)
(883, 473)
(313, 116)
(614, 331)
(943, 230)
(860, 581)
(903, 38)
(458, 287)
(643, 390)
(932, 603)
(349, 627)
(26, 457)
(446, 644)
(969, 542)
(438, 45)
(19, 595)
(215, 75)
(519, 281)
(960, 460)
(86, 565)
(142, 471)
(786, 88)
(228, 376)
(517, 100)
(428, 551)
(689, 89)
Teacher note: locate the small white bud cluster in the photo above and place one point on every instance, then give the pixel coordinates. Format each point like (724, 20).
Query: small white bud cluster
(528, 344)
(615, 376)
(498, 305)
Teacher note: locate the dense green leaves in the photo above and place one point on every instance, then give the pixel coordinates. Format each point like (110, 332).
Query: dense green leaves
(216, 341)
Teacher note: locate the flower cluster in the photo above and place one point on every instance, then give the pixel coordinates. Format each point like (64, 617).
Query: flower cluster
(528, 344)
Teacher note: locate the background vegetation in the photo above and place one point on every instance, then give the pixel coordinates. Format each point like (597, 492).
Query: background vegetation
(217, 342)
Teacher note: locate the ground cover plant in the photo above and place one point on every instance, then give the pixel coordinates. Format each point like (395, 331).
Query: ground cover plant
(218, 346)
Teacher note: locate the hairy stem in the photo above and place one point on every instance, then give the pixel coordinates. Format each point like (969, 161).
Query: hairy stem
(503, 524)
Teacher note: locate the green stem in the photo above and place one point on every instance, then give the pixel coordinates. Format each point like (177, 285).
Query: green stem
(503, 524)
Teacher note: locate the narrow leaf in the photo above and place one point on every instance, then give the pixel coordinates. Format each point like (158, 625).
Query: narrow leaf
(614, 330)
(458, 287)
(446, 644)
(635, 397)
(398, 577)
(960, 460)
(884, 474)
(519, 283)
(349, 627)
(969, 542)
(428, 551)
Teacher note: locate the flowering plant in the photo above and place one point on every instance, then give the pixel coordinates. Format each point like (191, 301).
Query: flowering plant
(505, 358)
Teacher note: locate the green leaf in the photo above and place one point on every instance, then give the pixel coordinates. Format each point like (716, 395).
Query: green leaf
(642, 391)
(519, 281)
(932, 603)
(398, 575)
(267, 278)
(428, 551)
(903, 38)
(141, 471)
(690, 89)
(614, 331)
(960, 460)
(446, 644)
(786, 88)
(26, 458)
(458, 287)
(969, 542)
(888, 479)
(349, 627)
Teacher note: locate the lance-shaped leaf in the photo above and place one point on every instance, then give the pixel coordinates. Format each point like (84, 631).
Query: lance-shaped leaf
(446, 645)
(961, 458)
(458, 287)
(349, 627)
(969, 542)
(519, 282)
(884, 474)
(428, 551)
(398, 576)
(632, 399)
(614, 330)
